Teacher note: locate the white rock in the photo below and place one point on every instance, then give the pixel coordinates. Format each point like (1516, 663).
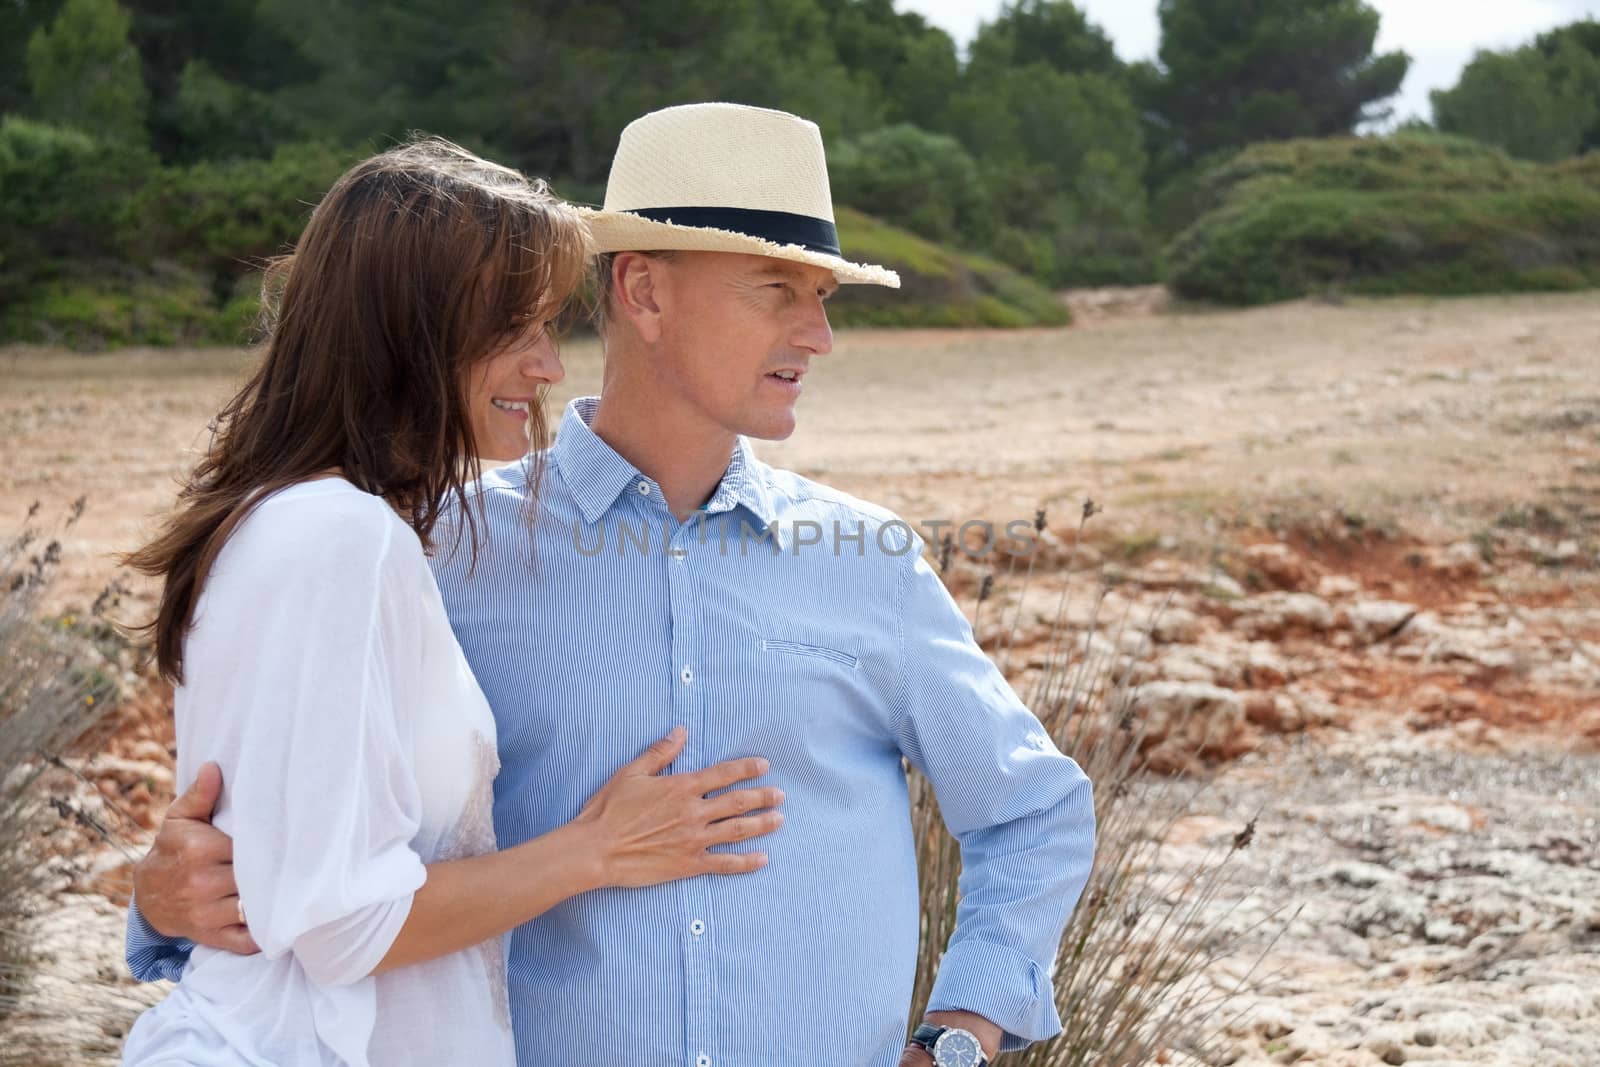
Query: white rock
(1459, 1029)
(1191, 715)
(1376, 620)
(1271, 614)
(1389, 913)
(1441, 931)
(1447, 817)
(1561, 1000)
(1176, 625)
(1363, 875)
(1338, 587)
(1185, 663)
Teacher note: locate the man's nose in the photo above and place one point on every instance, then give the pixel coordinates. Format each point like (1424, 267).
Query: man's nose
(814, 334)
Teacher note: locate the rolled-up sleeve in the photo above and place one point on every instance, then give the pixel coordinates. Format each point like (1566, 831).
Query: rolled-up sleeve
(1022, 811)
(153, 956)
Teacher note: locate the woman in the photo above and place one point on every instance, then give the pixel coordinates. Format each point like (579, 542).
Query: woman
(316, 666)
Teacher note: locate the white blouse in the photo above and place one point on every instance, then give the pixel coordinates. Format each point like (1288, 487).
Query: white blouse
(356, 747)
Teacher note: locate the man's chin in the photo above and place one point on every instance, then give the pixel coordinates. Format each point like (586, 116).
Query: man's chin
(774, 430)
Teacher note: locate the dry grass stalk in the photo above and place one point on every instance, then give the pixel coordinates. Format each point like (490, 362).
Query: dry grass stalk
(1129, 981)
(57, 677)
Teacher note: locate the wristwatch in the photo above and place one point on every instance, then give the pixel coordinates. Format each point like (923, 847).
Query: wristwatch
(950, 1046)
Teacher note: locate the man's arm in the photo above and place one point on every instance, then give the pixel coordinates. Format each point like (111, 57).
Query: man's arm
(183, 889)
(1022, 811)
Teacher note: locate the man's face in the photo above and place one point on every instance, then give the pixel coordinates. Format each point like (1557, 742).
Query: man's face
(738, 334)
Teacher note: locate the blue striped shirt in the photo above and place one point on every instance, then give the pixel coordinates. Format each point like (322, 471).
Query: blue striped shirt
(788, 620)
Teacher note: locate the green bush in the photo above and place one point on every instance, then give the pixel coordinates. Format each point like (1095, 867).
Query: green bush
(1412, 160)
(226, 217)
(1406, 214)
(168, 307)
(938, 286)
(924, 182)
(100, 246)
(238, 321)
(96, 254)
(67, 202)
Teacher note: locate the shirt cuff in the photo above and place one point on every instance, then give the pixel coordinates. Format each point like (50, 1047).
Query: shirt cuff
(1000, 984)
(152, 956)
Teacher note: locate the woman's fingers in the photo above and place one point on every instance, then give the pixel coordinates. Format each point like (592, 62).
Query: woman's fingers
(734, 862)
(659, 756)
(742, 802)
(745, 827)
(721, 775)
(653, 828)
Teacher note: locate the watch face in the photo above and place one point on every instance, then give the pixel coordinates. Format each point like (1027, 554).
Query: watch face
(957, 1048)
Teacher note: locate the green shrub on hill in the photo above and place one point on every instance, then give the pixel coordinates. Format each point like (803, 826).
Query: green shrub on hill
(938, 286)
(1405, 214)
(100, 246)
(167, 307)
(225, 218)
(1412, 160)
(921, 181)
(66, 204)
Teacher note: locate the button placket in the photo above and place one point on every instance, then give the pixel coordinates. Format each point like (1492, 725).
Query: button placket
(689, 708)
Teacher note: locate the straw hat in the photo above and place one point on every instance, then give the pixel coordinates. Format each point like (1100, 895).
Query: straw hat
(725, 178)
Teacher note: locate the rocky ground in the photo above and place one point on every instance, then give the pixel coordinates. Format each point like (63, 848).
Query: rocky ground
(1413, 732)
(1436, 897)
(1351, 559)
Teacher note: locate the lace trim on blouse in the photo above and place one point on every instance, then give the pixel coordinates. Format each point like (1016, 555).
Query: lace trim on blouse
(473, 835)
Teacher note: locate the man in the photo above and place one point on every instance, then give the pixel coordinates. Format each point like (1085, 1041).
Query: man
(673, 578)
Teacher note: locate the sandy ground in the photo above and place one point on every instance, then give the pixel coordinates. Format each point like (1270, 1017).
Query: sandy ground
(1443, 414)
(1375, 532)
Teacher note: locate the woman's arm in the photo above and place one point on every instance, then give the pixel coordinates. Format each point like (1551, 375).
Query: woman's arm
(642, 828)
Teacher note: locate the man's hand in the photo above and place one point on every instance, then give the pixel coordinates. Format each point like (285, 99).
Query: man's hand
(987, 1033)
(184, 885)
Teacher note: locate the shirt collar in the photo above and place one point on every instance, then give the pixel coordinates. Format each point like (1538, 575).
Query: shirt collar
(597, 475)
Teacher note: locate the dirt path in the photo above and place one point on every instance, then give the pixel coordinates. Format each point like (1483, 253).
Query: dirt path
(1445, 413)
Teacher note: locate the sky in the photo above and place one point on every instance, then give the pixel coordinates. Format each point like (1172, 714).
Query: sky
(1440, 35)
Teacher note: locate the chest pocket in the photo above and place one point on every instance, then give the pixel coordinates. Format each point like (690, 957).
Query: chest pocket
(780, 647)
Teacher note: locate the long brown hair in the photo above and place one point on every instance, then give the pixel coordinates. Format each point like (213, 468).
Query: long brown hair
(417, 264)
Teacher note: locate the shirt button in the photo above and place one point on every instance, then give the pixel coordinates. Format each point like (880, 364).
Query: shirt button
(679, 554)
(644, 488)
(702, 1060)
(687, 676)
(697, 927)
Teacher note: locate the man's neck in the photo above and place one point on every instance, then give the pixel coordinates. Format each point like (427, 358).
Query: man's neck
(672, 447)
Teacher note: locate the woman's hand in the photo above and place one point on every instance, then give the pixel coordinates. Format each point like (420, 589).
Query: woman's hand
(651, 828)
(642, 828)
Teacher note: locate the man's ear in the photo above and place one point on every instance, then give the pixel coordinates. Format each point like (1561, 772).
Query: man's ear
(635, 291)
